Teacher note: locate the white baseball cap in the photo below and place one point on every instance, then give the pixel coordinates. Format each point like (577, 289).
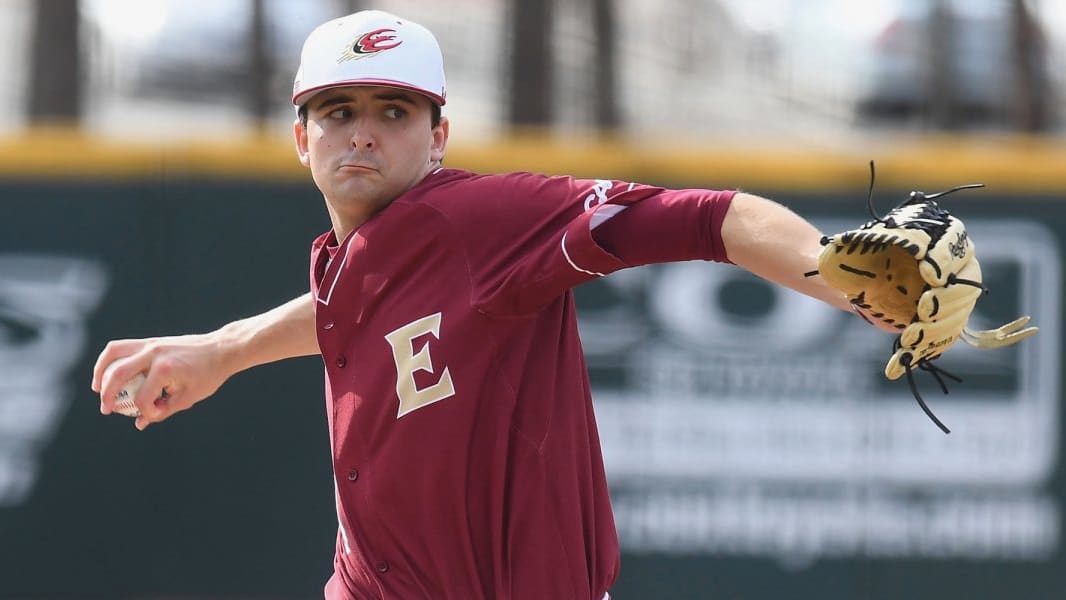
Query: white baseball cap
(370, 47)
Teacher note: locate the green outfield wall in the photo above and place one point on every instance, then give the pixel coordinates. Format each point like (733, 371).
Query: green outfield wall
(753, 448)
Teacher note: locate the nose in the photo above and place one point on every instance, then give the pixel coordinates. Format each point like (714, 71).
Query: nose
(363, 135)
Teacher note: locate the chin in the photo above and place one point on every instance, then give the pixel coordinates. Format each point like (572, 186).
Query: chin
(358, 199)
(356, 192)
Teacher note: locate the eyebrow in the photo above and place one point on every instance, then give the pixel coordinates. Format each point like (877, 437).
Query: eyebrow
(343, 98)
(332, 100)
(394, 96)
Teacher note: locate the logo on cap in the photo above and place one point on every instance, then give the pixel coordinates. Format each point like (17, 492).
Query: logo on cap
(370, 43)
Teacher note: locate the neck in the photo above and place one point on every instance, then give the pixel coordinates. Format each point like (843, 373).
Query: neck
(345, 223)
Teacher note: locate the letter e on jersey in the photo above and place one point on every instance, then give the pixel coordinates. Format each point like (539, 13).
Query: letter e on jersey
(408, 361)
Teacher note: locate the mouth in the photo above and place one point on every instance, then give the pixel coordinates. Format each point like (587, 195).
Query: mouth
(357, 168)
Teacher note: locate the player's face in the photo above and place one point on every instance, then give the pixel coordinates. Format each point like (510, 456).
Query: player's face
(366, 145)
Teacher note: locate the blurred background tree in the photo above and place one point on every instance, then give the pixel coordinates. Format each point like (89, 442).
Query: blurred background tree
(1032, 111)
(605, 89)
(531, 73)
(55, 84)
(261, 66)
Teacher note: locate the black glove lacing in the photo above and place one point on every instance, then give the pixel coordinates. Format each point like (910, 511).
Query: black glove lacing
(924, 364)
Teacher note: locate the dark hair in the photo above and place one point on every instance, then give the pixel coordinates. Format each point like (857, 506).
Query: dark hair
(434, 117)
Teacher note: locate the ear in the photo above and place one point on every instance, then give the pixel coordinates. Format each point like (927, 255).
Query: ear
(299, 132)
(440, 140)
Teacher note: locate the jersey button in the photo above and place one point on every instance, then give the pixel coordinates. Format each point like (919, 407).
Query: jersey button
(353, 474)
(341, 361)
(328, 325)
(382, 566)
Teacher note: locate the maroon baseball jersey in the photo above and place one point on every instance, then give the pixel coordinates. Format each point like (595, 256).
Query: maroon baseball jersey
(465, 449)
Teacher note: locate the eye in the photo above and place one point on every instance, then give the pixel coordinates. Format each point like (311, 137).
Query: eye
(395, 112)
(340, 114)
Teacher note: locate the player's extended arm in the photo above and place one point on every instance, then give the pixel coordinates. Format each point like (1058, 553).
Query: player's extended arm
(776, 244)
(192, 367)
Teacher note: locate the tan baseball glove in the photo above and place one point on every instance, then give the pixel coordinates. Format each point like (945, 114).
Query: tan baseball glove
(915, 269)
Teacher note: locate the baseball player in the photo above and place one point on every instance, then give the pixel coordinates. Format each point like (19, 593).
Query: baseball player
(466, 458)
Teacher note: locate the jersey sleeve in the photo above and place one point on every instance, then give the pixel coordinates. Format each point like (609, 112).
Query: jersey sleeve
(661, 228)
(532, 238)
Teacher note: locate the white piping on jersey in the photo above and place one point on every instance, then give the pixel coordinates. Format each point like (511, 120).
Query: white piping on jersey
(567, 256)
(337, 276)
(603, 213)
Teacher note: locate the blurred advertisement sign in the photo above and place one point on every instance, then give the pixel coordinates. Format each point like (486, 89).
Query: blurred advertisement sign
(742, 419)
(45, 302)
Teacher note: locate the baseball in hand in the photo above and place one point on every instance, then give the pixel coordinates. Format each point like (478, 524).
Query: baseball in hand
(124, 398)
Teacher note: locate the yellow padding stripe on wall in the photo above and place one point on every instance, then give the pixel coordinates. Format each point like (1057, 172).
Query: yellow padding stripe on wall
(1021, 164)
